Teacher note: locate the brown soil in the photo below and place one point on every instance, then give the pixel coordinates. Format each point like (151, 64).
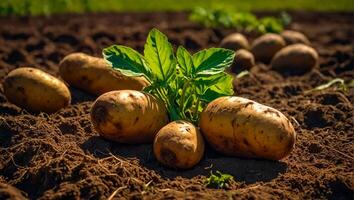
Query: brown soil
(61, 156)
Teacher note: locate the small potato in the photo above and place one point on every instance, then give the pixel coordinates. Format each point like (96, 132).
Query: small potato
(294, 37)
(266, 46)
(295, 59)
(241, 127)
(235, 42)
(35, 90)
(95, 76)
(179, 144)
(244, 60)
(128, 116)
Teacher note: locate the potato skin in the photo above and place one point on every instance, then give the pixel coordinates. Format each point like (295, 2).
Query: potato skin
(128, 116)
(294, 37)
(241, 127)
(35, 90)
(235, 42)
(179, 145)
(295, 59)
(95, 76)
(266, 46)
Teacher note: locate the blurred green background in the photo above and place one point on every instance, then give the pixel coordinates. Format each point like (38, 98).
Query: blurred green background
(47, 7)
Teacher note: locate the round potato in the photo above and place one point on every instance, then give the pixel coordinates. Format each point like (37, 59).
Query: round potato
(128, 116)
(235, 42)
(295, 59)
(179, 144)
(266, 46)
(240, 127)
(294, 37)
(244, 60)
(95, 76)
(35, 90)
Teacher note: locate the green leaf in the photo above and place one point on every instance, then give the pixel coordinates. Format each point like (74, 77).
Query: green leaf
(126, 60)
(212, 61)
(222, 88)
(159, 54)
(185, 61)
(209, 80)
(219, 180)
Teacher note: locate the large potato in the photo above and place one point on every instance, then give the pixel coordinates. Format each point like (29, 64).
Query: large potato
(296, 58)
(179, 144)
(294, 37)
(240, 127)
(35, 90)
(266, 46)
(128, 116)
(95, 76)
(235, 42)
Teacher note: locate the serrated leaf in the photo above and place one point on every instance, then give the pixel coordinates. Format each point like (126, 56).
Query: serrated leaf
(158, 52)
(185, 61)
(126, 60)
(212, 61)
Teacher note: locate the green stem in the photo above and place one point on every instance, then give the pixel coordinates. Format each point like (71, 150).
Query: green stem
(185, 86)
(196, 110)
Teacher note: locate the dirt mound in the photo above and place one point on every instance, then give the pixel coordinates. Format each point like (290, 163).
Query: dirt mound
(61, 156)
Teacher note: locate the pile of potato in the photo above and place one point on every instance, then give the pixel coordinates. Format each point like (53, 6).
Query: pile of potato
(123, 113)
(289, 52)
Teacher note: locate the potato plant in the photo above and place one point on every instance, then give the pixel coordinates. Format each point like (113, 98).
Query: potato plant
(185, 82)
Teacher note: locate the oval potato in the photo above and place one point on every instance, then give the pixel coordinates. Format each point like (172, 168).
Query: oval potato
(266, 46)
(128, 116)
(95, 76)
(35, 90)
(235, 42)
(294, 37)
(238, 126)
(244, 60)
(296, 58)
(179, 144)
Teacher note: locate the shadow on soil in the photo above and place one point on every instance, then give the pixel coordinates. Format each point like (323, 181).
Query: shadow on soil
(244, 170)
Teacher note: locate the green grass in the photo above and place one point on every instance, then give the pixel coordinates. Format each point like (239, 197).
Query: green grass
(46, 7)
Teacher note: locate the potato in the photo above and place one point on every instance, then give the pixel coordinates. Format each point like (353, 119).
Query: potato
(294, 37)
(128, 116)
(95, 76)
(244, 60)
(35, 90)
(241, 127)
(266, 46)
(295, 59)
(235, 42)
(179, 144)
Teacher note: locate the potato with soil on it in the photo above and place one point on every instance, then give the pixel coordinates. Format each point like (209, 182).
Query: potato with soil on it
(95, 76)
(179, 145)
(266, 46)
(235, 42)
(128, 116)
(295, 59)
(244, 60)
(238, 126)
(35, 90)
(294, 37)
